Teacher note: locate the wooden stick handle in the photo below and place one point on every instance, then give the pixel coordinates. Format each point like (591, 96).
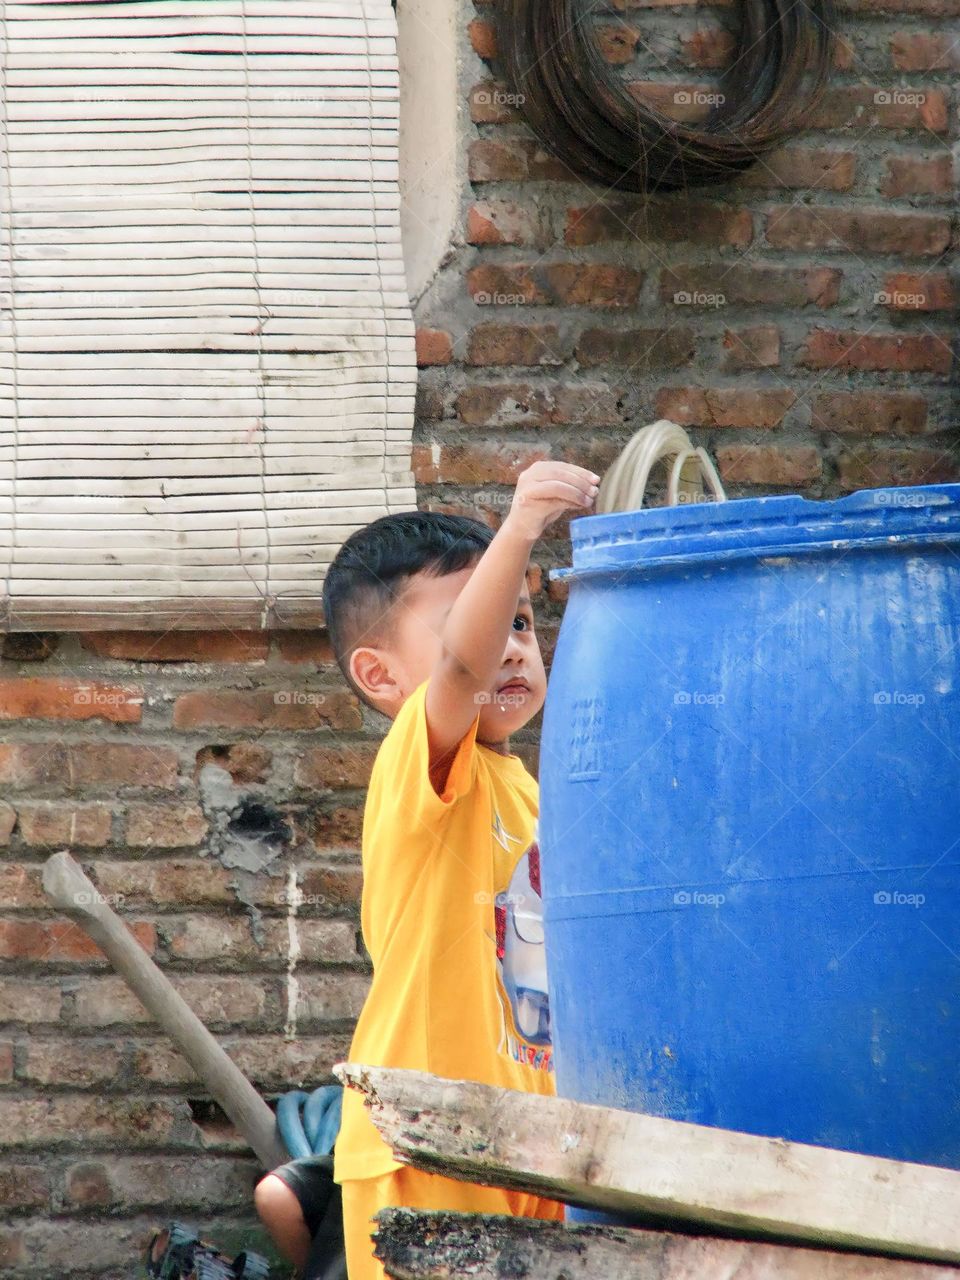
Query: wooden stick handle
(69, 889)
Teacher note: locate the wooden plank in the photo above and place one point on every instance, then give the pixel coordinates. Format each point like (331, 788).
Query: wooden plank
(624, 1162)
(436, 1246)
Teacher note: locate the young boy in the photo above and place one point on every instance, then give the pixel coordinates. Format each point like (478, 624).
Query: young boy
(431, 626)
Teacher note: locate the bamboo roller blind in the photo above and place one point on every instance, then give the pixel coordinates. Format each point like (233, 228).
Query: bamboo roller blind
(207, 348)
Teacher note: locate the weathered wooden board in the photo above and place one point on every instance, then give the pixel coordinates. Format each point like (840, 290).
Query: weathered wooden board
(438, 1246)
(627, 1163)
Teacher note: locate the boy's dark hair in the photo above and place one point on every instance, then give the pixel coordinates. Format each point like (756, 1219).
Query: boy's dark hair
(371, 569)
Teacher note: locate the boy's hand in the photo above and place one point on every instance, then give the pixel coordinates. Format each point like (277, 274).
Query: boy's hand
(544, 491)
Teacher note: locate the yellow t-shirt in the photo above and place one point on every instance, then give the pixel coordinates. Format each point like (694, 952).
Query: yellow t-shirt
(451, 915)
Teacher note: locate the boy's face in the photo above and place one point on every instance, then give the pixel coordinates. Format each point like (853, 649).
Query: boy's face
(419, 621)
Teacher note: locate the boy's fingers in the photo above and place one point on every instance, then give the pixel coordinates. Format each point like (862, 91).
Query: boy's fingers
(560, 491)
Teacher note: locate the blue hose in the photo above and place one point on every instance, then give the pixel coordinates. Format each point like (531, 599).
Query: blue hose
(309, 1122)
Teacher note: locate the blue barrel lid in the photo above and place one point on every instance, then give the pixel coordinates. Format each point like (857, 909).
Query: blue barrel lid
(776, 526)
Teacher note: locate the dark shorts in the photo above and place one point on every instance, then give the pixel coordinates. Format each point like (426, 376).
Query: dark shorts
(311, 1181)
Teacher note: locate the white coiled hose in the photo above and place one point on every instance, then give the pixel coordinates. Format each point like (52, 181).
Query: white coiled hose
(624, 485)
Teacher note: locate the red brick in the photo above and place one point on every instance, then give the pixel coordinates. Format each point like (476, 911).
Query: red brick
(723, 406)
(927, 291)
(474, 464)
(289, 708)
(334, 887)
(58, 824)
(501, 222)
(246, 762)
(639, 349)
(483, 38)
(875, 468)
(55, 941)
(312, 646)
(158, 1181)
(6, 1062)
(491, 102)
(923, 51)
(156, 883)
(331, 997)
(345, 765)
(661, 4)
(159, 826)
(53, 1120)
(513, 160)
(231, 941)
(267, 1061)
(754, 348)
(78, 1062)
(912, 175)
(769, 465)
(29, 1002)
(804, 168)
(925, 8)
(683, 221)
(179, 646)
(39, 698)
(876, 107)
(514, 344)
(563, 283)
(526, 405)
(23, 1186)
(20, 888)
(708, 47)
(683, 101)
(337, 828)
(858, 230)
(89, 764)
(28, 646)
(745, 285)
(617, 42)
(866, 413)
(848, 349)
(434, 346)
(490, 285)
(216, 999)
(8, 820)
(498, 160)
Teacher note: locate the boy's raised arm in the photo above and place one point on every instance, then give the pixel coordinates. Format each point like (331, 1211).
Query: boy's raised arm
(477, 627)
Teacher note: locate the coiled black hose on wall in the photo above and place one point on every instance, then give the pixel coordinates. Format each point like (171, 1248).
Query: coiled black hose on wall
(582, 110)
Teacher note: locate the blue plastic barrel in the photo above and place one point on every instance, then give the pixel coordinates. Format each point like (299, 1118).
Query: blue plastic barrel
(750, 819)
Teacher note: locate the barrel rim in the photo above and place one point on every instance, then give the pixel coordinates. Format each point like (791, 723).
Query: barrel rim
(777, 525)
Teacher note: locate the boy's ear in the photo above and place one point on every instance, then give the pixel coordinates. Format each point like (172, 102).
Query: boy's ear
(373, 672)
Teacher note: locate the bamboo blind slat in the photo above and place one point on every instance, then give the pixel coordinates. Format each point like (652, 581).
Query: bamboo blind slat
(207, 371)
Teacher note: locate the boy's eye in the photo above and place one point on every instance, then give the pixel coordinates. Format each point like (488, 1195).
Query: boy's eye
(520, 618)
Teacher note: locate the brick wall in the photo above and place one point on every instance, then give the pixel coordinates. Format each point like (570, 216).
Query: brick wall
(798, 320)
(555, 329)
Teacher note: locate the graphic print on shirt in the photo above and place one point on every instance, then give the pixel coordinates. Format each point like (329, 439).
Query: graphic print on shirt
(522, 959)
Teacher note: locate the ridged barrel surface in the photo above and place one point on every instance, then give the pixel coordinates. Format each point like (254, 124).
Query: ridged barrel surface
(750, 819)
